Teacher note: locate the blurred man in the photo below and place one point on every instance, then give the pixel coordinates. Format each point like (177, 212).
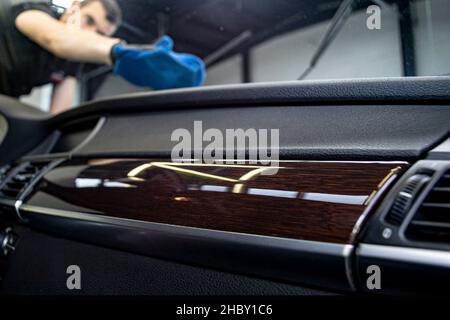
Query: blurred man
(39, 46)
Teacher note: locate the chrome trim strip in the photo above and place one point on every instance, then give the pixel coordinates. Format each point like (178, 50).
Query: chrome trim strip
(348, 254)
(306, 262)
(29, 188)
(17, 203)
(360, 223)
(305, 245)
(17, 206)
(370, 207)
(404, 254)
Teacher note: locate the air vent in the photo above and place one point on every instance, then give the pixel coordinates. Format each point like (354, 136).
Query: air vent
(4, 172)
(432, 220)
(16, 184)
(405, 198)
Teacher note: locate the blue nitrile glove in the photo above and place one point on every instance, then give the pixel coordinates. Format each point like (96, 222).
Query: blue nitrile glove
(158, 67)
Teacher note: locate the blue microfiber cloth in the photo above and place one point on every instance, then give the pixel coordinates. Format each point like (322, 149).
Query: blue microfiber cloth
(159, 68)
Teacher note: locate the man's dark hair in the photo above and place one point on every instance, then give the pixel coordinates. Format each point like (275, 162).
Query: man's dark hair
(113, 11)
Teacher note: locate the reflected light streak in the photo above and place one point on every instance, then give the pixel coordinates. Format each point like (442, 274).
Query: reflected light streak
(181, 199)
(87, 183)
(248, 176)
(306, 196)
(213, 188)
(333, 198)
(83, 183)
(168, 166)
(273, 193)
(136, 171)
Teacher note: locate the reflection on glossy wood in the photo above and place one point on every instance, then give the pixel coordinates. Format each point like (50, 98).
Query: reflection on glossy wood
(318, 201)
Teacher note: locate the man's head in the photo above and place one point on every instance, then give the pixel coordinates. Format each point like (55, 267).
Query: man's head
(101, 16)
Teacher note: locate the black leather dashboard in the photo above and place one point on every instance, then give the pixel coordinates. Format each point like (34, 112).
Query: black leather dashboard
(398, 120)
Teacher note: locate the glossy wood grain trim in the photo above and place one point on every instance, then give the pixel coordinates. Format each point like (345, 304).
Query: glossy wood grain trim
(308, 200)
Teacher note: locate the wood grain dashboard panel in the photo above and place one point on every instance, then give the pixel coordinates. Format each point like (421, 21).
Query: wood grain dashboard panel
(318, 201)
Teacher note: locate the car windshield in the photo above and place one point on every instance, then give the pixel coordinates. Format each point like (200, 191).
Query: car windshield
(247, 41)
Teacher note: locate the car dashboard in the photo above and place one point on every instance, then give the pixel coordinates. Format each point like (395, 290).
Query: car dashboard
(363, 181)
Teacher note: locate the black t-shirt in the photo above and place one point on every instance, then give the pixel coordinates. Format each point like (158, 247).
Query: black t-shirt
(24, 64)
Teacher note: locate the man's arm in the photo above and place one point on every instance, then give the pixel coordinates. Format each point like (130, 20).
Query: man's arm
(64, 41)
(63, 95)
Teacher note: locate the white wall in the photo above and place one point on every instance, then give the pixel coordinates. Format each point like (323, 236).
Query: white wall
(432, 37)
(225, 72)
(40, 98)
(356, 52)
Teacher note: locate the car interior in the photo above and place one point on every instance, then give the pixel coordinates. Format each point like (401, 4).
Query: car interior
(363, 184)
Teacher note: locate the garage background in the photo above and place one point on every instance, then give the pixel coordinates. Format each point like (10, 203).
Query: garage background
(274, 40)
